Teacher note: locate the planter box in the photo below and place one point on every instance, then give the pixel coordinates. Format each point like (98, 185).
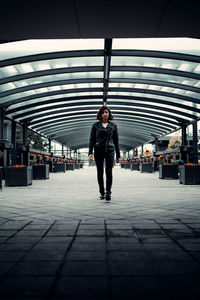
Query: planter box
(135, 167)
(59, 168)
(127, 166)
(168, 171)
(122, 166)
(40, 171)
(70, 167)
(189, 174)
(77, 166)
(50, 163)
(81, 165)
(156, 165)
(1, 175)
(147, 168)
(18, 176)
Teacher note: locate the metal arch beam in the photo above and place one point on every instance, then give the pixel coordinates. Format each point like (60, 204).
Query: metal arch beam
(112, 69)
(90, 117)
(49, 56)
(92, 113)
(151, 124)
(125, 121)
(165, 71)
(86, 53)
(120, 102)
(87, 128)
(152, 92)
(54, 93)
(50, 72)
(157, 54)
(120, 97)
(65, 91)
(36, 86)
(73, 108)
(126, 134)
(71, 140)
(131, 128)
(126, 137)
(145, 113)
(157, 83)
(81, 69)
(119, 121)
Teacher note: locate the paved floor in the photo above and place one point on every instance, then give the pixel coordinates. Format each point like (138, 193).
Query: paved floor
(59, 241)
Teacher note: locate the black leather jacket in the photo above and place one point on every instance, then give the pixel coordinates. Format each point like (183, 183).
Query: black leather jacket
(104, 139)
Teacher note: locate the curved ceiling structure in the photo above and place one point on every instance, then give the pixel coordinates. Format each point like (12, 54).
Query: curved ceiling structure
(152, 86)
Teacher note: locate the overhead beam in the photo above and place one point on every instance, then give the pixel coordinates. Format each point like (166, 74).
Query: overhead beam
(132, 123)
(86, 53)
(78, 101)
(131, 114)
(64, 109)
(107, 59)
(170, 72)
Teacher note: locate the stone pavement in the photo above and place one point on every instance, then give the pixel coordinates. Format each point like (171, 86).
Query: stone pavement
(59, 241)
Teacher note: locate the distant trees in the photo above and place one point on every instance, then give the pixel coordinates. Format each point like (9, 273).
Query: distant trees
(174, 142)
(34, 139)
(37, 141)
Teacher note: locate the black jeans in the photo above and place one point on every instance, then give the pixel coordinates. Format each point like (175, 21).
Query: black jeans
(109, 159)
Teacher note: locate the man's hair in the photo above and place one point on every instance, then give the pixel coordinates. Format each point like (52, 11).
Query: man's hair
(100, 112)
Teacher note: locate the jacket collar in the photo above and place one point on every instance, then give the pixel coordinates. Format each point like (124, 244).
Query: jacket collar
(109, 126)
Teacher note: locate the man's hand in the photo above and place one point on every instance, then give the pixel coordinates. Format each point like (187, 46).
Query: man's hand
(90, 157)
(117, 160)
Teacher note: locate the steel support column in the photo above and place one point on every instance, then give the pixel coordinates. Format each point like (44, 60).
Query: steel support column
(1, 124)
(25, 134)
(14, 125)
(49, 145)
(156, 144)
(195, 142)
(62, 150)
(107, 59)
(184, 135)
(142, 149)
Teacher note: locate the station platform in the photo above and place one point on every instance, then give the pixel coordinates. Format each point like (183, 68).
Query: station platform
(58, 240)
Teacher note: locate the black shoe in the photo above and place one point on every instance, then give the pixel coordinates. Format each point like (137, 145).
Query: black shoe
(108, 196)
(102, 196)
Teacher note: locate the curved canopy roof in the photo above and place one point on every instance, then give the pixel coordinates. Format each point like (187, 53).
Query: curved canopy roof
(57, 86)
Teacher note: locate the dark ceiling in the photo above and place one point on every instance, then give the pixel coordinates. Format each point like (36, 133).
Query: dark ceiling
(98, 19)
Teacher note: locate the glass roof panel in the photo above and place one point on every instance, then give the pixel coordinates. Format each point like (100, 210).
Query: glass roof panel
(181, 45)
(51, 65)
(150, 75)
(154, 63)
(29, 47)
(146, 81)
(114, 108)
